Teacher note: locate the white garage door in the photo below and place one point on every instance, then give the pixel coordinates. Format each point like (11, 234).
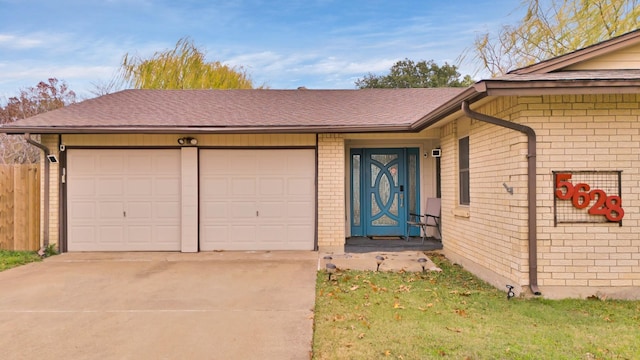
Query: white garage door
(257, 199)
(123, 200)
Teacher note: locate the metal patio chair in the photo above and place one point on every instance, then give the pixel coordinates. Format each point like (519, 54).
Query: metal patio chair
(431, 218)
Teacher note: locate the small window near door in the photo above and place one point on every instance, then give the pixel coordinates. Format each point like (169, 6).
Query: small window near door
(355, 189)
(463, 164)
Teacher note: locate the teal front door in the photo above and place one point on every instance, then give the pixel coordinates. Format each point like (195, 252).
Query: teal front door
(384, 190)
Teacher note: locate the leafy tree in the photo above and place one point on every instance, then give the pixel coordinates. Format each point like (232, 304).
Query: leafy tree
(409, 74)
(551, 28)
(184, 67)
(43, 97)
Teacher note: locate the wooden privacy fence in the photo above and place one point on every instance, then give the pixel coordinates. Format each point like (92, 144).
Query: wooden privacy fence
(20, 207)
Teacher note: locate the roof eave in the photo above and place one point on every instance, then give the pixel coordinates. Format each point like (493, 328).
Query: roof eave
(205, 130)
(560, 87)
(486, 88)
(580, 55)
(471, 94)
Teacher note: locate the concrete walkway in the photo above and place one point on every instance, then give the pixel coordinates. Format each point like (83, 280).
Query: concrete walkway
(226, 305)
(393, 260)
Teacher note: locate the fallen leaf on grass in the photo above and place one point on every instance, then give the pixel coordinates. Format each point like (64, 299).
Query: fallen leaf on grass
(338, 318)
(354, 287)
(387, 353)
(361, 336)
(461, 312)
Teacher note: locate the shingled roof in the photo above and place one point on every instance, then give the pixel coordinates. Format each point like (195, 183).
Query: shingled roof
(241, 110)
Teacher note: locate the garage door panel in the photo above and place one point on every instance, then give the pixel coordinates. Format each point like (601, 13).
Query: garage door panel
(271, 233)
(166, 234)
(139, 234)
(82, 210)
(300, 210)
(241, 211)
(85, 186)
(210, 187)
(83, 234)
(109, 187)
(110, 164)
(242, 234)
(300, 186)
(139, 210)
(110, 210)
(271, 187)
(272, 210)
(169, 187)
(242, 163)
(166, 210)
(140, 187)
(299, 233)
(214, 210)
(141, 164)
(272, 165)
(243, 187)
(257, 195)
(111, 234)
(213, 235)
(123, 200)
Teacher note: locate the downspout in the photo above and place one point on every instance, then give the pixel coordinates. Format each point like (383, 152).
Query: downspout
(45, 231)
(531, 182)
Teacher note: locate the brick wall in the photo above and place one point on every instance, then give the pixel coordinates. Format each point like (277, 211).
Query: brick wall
(489, 237)
(331, 190)
(51, 141)
(588, 132)
(578, 132)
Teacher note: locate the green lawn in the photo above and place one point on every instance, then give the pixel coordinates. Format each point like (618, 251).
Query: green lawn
(453, 315)
(9, 259)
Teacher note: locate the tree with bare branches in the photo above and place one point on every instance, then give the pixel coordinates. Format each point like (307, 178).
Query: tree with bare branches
(552, 28)
(45, 96)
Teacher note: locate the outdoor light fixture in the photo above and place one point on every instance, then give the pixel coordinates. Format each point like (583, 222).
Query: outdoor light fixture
(379, 260)
(422, 262)
(510, 293)
(187, 141)
(52, 158)
(331, 269)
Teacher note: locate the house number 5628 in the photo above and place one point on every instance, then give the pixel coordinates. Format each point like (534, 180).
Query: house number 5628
(581, 196)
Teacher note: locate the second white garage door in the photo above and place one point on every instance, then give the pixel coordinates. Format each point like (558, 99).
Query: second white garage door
(257, 199)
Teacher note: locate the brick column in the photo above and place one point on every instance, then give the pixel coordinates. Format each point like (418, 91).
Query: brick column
(331, 190)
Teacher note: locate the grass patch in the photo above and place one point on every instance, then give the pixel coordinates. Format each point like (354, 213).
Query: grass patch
(10, 259)
(452, 314)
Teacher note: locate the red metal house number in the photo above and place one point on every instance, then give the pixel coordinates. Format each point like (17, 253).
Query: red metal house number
(581, 195)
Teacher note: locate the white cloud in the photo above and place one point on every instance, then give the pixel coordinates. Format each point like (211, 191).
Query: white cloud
(19, 42)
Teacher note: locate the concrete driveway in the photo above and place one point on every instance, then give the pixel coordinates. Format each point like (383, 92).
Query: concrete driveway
(220, 305)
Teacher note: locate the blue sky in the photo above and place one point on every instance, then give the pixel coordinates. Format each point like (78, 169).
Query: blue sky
(320, 44)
